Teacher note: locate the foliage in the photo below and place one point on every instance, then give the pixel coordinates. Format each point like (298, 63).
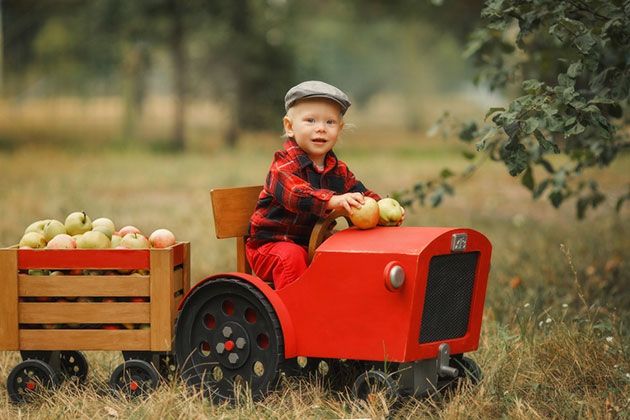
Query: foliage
(567, 64)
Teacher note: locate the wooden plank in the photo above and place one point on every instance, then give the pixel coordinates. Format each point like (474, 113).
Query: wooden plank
(71, 286)
(8, 299)
(186, 262)
(85, 339)
(242, 265)
(232, 208)
(97, 259)
(84, 313)
(161, 299)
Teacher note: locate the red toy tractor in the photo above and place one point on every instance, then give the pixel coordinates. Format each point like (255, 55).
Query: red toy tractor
(398, 306)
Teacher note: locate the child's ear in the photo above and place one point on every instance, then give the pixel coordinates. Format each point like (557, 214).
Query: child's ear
(288, 126)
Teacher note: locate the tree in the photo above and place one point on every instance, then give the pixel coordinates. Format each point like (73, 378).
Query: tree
(566, 65)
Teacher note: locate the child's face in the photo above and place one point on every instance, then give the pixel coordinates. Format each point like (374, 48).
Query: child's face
(315, 125)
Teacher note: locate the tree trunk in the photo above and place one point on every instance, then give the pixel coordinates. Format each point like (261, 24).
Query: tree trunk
(135, 69)
(1, 53)
(179, 76)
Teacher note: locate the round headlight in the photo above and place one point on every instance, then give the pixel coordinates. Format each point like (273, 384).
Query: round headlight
(394, 276)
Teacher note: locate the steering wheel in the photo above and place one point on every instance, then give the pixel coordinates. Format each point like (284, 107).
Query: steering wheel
(322, 228)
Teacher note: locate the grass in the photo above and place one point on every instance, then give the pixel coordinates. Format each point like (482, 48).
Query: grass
(554, 341)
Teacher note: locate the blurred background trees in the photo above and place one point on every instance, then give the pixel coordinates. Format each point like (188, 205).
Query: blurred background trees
(558, 70)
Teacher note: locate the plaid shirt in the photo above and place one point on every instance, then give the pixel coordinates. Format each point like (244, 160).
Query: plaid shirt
(296, 194)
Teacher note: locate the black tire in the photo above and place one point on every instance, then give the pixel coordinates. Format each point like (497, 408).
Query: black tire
(467, 368)
(374, 381)
(134, 378)
(73, 366)
(30, 378)
(227, 335)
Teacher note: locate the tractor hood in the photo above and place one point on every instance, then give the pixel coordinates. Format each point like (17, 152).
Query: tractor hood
(380, 240)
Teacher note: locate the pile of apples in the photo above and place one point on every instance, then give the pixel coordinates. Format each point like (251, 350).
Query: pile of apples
(79, 231)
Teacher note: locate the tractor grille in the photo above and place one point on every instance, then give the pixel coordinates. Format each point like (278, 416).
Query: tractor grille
(448, 296)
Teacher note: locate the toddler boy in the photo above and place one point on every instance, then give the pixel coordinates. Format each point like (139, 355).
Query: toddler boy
(306, 181)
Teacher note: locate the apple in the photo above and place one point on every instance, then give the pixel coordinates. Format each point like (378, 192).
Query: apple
(116, 240)
(78, 222)
(62, 241)
(162, 238)
(367, 216)
(128, 229)
(105, 225)
(53, 228)
(34, 240)
(135, 241)
(37, 226)
(93, 240)
(390, 211)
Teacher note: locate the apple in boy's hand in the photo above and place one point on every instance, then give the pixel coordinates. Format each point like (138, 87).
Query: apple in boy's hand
(367, 216)
(135, 241)
(62, 241)
(34, 240)
(162, 238)
(390, 211)
(78, 222)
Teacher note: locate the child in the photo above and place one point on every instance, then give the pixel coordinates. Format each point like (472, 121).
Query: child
(306, 181)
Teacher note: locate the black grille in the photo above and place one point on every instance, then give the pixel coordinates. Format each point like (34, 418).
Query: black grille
(448, 296)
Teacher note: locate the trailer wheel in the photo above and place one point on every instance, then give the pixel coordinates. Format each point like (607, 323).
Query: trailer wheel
(29, 378)
(227, 338)
(134, 378)
(372, 382)
(73, 366)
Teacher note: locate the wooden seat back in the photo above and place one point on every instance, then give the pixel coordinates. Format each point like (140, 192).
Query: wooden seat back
(232, 208)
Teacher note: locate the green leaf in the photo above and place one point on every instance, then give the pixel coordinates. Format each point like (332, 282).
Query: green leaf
(528, 179)
(575, 69)
(532, 85)
(556, 198)
(575, 130)
(530, 125)
(446, 173)
(468, 155)
(585, 42)
(492, 111)
(468, 131)
(540, 188)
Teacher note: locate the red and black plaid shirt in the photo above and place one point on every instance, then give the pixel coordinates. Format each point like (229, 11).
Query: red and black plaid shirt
(296, 194)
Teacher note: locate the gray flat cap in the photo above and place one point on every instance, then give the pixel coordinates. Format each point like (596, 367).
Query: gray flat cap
(316, 89)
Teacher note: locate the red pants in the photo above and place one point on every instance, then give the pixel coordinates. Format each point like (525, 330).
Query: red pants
(277, 262)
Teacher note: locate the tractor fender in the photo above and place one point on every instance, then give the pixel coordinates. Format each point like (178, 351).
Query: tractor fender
(286, 324)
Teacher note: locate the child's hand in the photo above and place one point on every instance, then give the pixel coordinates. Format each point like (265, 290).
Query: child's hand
(346, 201)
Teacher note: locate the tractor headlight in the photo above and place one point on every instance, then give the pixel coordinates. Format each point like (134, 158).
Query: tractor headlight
(394, 276)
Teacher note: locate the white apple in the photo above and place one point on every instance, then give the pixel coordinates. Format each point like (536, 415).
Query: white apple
(116, 240)
(33, 240)
(93, 240)
(104, 225)
(162, 238)
(135, 241)
(128, 229)
(53, 228)
(367, 216)
(62, 241)
(78, 222)
(37, 226)
(390, 211)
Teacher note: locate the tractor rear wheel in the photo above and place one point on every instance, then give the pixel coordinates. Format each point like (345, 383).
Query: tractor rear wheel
(228, 339)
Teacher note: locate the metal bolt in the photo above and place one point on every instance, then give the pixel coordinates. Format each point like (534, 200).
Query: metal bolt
(233, 358)
(240, 343)
(220, 348)
(227, 331)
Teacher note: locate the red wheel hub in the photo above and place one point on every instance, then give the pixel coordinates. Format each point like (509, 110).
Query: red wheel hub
(30, 385)
(133, 385)
(229, 345)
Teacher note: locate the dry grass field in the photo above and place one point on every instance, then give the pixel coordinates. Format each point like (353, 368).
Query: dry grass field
(555, 333)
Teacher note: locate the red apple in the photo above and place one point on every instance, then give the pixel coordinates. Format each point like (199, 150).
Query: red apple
(62, 241)
(128, 229)
(367, 216)
(162, 238)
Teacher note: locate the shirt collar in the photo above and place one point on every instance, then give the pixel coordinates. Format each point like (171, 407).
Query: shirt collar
(295, 152)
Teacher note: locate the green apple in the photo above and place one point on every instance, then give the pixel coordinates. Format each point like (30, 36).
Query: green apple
(78, 222)
(105, 225)
(33, 240)
(53, 228)
(93, 240)
(135, 241)
(367, 216)
(116, 240)
(37, 226)
(390, 212)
